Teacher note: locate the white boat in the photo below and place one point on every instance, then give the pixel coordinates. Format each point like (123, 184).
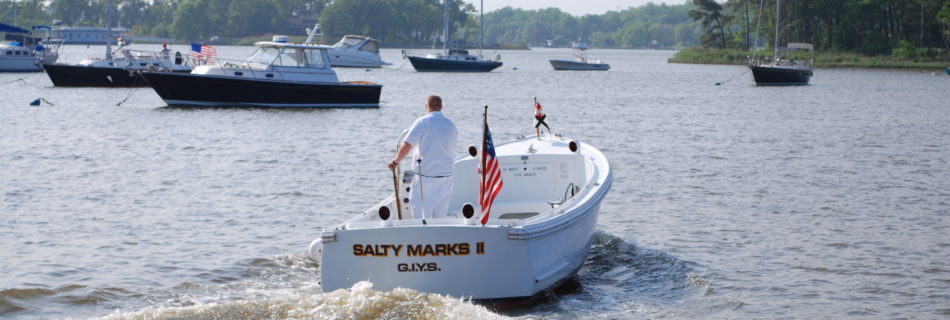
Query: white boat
(580, 61)
(537, 237)
(352, 51)
(26, 52)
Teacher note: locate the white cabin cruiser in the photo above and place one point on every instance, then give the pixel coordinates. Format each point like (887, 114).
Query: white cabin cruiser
(537, 237)
(351, 51)
(21, 51)
(356, 51)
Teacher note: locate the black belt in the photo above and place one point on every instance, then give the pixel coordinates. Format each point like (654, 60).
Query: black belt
(433, 176)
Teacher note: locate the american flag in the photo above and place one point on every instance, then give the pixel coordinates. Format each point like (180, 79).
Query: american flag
(204, 52)
(491, 177)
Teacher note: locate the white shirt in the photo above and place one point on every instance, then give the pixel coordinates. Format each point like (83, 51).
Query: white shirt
(433, 138)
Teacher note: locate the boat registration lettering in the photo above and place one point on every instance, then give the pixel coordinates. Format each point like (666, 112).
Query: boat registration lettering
(417, 250)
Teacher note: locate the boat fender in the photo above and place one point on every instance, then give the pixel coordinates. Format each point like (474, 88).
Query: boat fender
(472, 151)
(316, 250)
(384, 213)
(573, 145)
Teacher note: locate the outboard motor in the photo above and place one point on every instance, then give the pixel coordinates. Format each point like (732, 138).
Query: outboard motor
(178, 58)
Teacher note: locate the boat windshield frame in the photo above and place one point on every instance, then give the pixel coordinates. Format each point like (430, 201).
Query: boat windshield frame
(289, 56)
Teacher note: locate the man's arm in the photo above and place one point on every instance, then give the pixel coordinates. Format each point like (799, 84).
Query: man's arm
(403, 151)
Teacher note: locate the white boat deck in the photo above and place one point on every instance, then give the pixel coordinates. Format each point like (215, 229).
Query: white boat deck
(539, 179)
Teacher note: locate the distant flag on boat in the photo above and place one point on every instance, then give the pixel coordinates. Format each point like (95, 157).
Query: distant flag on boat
(491, 174)
(204, 53)
(539, 117)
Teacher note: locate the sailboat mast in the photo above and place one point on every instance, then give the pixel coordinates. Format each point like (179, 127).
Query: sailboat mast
(109, 32)
(445, 32)
(481, 26)
(778, 15)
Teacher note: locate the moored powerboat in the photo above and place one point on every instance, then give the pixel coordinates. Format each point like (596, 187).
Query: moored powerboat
(24, 52)
(356, 51)
(116, 71)
(537, 235)
(580, 62)
(351, 51)
(279, 74)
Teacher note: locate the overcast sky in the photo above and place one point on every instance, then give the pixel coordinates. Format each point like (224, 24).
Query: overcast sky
(574, 7)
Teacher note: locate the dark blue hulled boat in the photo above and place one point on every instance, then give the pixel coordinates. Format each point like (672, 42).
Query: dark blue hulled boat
(454, 60)
(279, 75)
(457, 60)
(791, 65)
(783, 71)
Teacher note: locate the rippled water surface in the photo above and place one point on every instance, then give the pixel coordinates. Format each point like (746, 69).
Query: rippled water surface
(731, 201)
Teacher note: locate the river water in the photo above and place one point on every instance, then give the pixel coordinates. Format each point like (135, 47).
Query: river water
(730, 201)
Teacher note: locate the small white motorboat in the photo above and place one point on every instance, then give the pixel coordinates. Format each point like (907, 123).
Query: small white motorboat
(353, 51)
(537, 236)
(580, 62)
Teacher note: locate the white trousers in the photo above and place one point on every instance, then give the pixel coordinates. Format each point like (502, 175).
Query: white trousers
(435, 192)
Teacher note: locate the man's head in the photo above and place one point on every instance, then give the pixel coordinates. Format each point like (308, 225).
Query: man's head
(434, 103)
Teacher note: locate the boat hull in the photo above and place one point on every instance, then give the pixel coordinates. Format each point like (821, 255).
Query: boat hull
(19, 64)
(445, 65)
(65, 75)
(497, 264)
(567, 65)
(221, 91)
(765, 75)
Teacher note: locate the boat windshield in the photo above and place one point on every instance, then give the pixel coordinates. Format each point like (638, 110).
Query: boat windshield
(264, 56)
(288, 57)
(347, 43)
(370, 46)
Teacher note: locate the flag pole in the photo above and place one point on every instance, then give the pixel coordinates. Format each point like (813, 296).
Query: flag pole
(537, 128)
(481, 187)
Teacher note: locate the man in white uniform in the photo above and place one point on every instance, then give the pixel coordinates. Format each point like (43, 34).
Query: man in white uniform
(432, 139)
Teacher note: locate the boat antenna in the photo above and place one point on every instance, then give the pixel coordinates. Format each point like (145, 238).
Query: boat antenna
(109, 33)
(758, 23)
(481, 26)
(778, 15)
(445, 31)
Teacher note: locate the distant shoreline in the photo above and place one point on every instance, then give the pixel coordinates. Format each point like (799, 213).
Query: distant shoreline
(822, 59)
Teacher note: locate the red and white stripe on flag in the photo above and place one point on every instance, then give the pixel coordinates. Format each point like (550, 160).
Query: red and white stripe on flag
(491, 177)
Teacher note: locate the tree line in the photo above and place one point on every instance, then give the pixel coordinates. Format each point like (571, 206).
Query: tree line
(871, 27)
(189, 20)
(394, 22)
(866, 26)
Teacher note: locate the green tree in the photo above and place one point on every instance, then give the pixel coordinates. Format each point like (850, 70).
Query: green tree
(710, 14)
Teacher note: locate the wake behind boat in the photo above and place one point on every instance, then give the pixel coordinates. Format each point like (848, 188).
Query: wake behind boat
(279, 74)
(536, 237)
